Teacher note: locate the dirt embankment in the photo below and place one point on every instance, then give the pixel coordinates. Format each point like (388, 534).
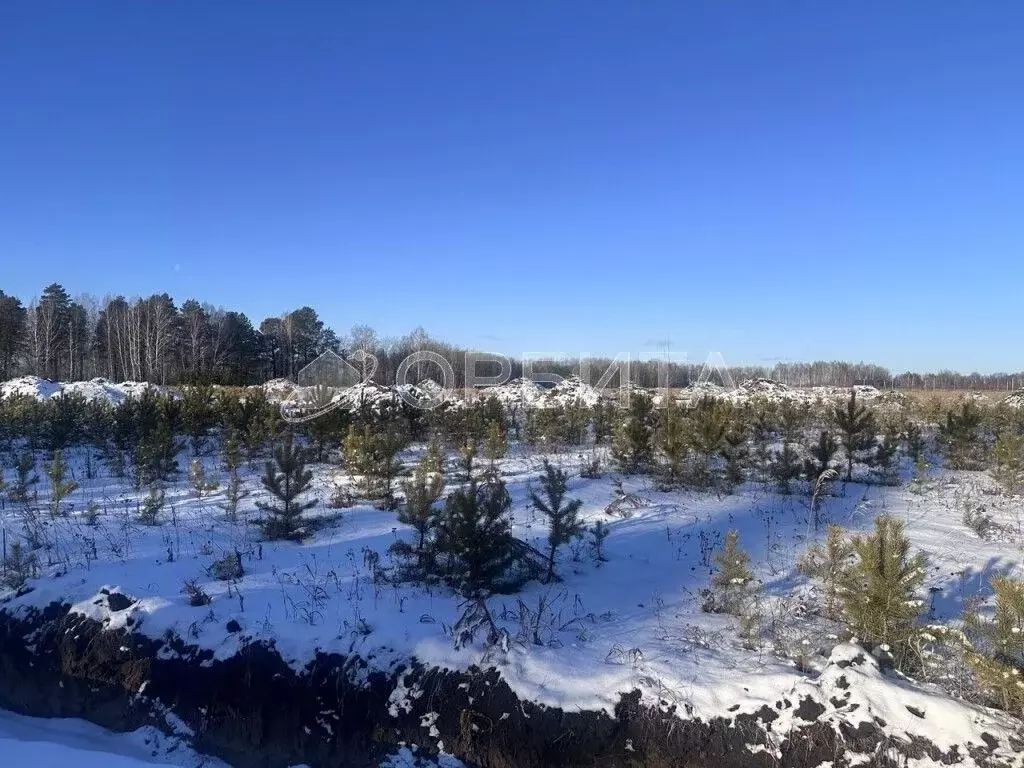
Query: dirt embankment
(254, 710)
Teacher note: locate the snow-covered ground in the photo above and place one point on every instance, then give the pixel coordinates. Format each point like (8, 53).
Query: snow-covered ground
(59, 743)
(633, 621)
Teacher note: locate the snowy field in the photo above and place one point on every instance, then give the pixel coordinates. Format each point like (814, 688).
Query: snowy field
(632, 621)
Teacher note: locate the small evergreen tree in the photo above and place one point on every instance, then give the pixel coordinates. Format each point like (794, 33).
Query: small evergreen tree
(234, 492)
(763, 437)
(672, 440)
(709, 426)
(151, 505)
(287, 480)
(421, 493)
(155, 455)
(198, 415)
(495, 444)
(372, 456)
(822, 456)
(598, 533)
(474, 532)
(913, 441)
(433, 461)
(60, 487)
(467, 455)
(856, 424)
(886, 458)
(231, 451)
(563, 518)
(829, 563)
(197, 477)
(960, 436)
(25, 478)
(996, 652)
(19, 565)
(785, 467)
(632, 443)
(732, 578)
(1009, 456)
(880, 599)
(736, 453)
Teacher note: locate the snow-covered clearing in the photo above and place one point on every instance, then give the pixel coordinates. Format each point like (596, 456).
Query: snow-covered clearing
(631, 622)
(49, 743)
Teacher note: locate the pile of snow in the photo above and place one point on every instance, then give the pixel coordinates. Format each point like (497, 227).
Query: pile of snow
(1015, 400)
(515, 393)
(570, 391)
(277, 390)
(94, 390)
(427, 393)
(851, 692)
(700, 390)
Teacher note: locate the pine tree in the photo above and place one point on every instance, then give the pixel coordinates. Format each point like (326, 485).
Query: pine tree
(372, 456)
(432, 461)
(672, 440)
(764, 435)
(150, 507)
(793, 418)
(822, 456)
(154, 458)
(467, 455)
(18, 566)
(829, 563)
(879, 595)
(357, 455)
(736, 453)
(856, 424)
(886, 458)
(785, 467)
(198, 415)
(1009, 456)
(563, 519)
(474, 532)
(913, 440)
(24, 478)
(287, 479)
(632, 444)
(960, 436)
(495, 444)
(996, 653)
(234, 492)
(732, 578)
(60, 488)
(709, 425)
(197, 477)
(231, 452)
(598, 533)
(422, 491)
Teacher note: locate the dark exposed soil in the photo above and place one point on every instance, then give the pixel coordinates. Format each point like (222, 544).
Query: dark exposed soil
(252, 710)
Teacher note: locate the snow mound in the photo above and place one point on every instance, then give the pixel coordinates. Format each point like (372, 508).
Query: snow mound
(277, 390)
(1015, 400)
(853, 692)
(515, 393)
(97, 389)
(427, 393)
(569, 391)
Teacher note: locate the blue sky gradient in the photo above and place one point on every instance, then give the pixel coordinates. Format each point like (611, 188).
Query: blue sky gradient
(771, 179)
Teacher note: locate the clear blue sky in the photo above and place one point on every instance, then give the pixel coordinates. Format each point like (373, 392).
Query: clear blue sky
(771, 179)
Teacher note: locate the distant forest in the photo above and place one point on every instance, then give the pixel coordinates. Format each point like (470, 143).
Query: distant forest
(58, 336)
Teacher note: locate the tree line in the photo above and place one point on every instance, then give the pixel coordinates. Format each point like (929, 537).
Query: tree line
(61, 337)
